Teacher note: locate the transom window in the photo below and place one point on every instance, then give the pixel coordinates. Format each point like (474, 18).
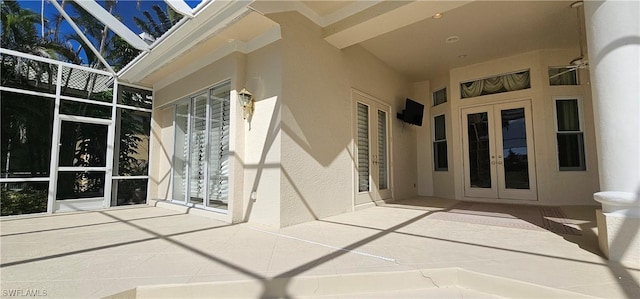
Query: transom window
(439, 96)
(496, 84)
(563, 76)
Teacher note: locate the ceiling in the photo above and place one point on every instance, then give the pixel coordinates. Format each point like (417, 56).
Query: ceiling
(486, 30)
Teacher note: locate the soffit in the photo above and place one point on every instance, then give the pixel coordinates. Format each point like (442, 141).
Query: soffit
(239, 33)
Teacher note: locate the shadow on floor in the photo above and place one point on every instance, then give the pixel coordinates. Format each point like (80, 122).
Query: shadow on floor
(575, 224)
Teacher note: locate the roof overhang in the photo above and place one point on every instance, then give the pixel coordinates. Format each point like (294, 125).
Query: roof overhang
(210, 20)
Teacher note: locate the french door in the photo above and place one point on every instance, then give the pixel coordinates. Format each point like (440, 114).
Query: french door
(372, 152)
(499, 159)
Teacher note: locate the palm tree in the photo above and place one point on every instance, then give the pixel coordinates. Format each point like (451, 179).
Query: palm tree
(157, 26)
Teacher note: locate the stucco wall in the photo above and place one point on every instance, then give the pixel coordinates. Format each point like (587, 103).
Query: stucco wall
(554, 187)
(421, 92)
(263, 137)
(317, 162)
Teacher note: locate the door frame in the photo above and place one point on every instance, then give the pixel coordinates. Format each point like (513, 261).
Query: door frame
(375, 195)
(80, 203)
(498, 191)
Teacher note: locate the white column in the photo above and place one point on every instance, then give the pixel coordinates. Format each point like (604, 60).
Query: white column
(613, 40)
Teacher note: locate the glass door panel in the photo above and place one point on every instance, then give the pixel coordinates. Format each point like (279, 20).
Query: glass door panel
(82, 144)
(80, 184)
(498, 157)
(362, 140)
(198, 150)
(381, 159)
(514, 149)
(180, 152)
(219, 125)
(479, 157)
(81, 160)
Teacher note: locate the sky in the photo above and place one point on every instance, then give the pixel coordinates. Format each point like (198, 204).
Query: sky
(127, 9)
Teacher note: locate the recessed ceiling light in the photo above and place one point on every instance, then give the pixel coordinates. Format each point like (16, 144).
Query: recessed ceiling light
(452, 39)
(462, 56)
(437, 16)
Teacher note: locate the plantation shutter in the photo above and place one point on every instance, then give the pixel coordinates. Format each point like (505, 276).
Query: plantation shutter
(382, 149)
(198, 149)
(219, 150)
(363, 147)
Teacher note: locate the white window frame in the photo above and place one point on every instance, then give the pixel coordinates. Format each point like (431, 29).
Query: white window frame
(581, 130)
(434, 141)
(189, 100)
(566, 68)
(433, 96)
(57, 97)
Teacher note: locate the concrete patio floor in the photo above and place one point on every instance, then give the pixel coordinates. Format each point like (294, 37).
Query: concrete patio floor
(100, 253)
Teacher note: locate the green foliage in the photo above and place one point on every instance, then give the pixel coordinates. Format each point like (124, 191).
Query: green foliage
(162, 22)
(26, 201)
(27, 120)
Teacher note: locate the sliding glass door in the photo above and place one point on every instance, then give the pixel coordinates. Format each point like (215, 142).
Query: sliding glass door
(201, 149)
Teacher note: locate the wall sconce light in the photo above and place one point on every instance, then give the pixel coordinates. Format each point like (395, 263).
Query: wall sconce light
(246, 101)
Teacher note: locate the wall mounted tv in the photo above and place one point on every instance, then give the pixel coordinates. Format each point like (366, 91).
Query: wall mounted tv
(412, 113)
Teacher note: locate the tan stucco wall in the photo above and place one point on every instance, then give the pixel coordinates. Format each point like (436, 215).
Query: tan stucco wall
(554, 187)
(263, 137)
(317, 162)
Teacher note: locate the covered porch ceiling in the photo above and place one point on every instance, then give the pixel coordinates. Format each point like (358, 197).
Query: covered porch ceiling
(402, 34)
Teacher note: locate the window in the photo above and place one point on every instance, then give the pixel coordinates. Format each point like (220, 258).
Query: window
(440, 160)
(563, 76)
(570, 137)
(201, 153)
(440, 96)
(496, 84)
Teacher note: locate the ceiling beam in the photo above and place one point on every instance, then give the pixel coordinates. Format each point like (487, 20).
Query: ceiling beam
(381, 18)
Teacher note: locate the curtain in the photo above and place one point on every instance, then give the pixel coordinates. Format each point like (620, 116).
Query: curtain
(566, 78)
(516, 81)
(472, 89)
(567, 115)
(497, 84)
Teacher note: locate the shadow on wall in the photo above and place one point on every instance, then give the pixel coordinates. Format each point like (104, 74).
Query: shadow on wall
(167, 175)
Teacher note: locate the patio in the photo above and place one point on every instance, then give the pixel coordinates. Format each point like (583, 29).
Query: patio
(100, 253)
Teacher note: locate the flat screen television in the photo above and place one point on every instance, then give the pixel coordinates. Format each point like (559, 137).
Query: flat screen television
(412, 113)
